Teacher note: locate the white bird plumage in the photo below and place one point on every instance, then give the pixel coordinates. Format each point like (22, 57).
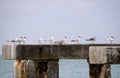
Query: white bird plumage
(18, 40)
(77, 40)
(51, 39)
(92, 39)
(24, 39)
(62, 41)
(111, 39)
(40, 40)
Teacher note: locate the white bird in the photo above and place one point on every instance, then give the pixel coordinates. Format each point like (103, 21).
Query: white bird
(19, 40)
(24, 39)
(92, 39)
(77, 40)
(14, 40)
(62, 41)
(40, 40)
(51, 40)
(111, 39)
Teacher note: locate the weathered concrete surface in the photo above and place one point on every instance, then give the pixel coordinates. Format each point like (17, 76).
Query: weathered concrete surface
(47, 69)
(44, 63)
(36, 69)
(8, 52)
(100, 71)
(45, 51)
(104, 54)
(24, 69)
(94, 53)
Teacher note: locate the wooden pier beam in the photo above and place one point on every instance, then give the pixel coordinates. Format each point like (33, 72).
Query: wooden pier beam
(100, 71)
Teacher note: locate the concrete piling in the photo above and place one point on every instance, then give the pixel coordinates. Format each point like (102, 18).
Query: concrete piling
(35, 69)
(41, 61)
(47, 69)
(100, 71)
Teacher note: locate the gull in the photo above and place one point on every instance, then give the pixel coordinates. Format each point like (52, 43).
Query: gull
(77, 40)
(14, 40)
(40, 40)
(19, 40)
(92, 39)
(62, 41)
(51, 40)
(24, 39)
(111, 39)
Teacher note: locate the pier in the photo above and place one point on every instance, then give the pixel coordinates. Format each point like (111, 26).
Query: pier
(41, 61)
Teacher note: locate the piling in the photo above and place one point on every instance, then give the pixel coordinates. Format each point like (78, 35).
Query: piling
(42, 61)
(36, 69)
(100, 70)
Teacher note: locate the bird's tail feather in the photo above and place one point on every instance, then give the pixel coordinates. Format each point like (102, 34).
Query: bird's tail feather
(72, 40)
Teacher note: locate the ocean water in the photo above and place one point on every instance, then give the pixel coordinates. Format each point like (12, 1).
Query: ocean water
(68, 68)
(5, 68)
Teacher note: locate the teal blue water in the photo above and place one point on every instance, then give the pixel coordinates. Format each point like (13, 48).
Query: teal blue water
(67, 69)
(5, 68)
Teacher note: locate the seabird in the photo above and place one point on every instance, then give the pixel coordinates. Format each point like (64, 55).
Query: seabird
(16, 40)
(77, 40)
(19, 40)
(40, 40)
(61, 41)
(91, 39)
(24, 39)
(111, 39)
(13, 40)
(51, 40)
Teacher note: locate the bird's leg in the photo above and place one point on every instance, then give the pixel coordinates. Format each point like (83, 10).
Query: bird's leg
(39, 42)
(93, 42)
(110, 42)
(14, 43)
(23, 42)
(51, 42)
(19, 42)
(77, 42)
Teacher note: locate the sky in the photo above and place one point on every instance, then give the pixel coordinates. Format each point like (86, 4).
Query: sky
(71, 18)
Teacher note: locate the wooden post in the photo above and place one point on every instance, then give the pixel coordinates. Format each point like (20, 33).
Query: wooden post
(100, 71)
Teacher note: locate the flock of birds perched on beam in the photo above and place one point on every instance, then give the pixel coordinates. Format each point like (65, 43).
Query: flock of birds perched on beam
(22, 40)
